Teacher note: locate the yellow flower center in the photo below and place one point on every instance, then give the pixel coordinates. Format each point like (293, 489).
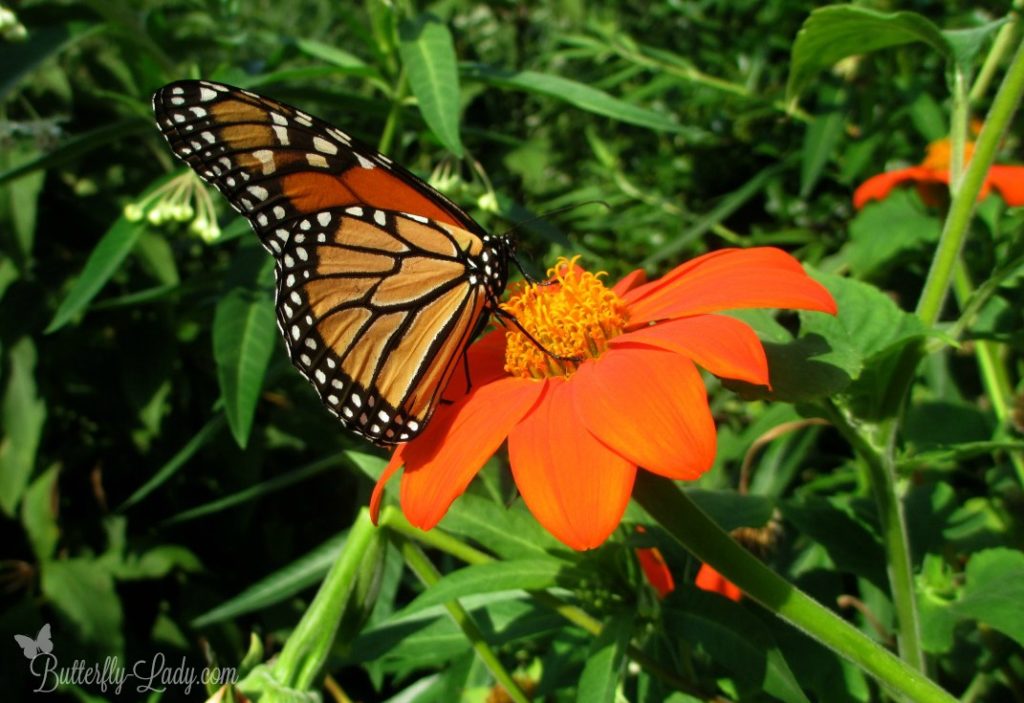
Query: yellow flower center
(572, 315)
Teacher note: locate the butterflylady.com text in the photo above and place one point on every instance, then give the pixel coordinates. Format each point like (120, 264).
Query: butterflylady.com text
(111, 675)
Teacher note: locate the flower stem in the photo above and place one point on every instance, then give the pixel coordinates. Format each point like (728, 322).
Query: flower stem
(392, 518)
(698, 533)
(1008, 35)
(879, 458)
(994, 376)
(428, 574)
(962, 207)
(307, 647)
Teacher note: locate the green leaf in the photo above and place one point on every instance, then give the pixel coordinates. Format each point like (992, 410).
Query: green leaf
(994, 591)
(735, 638)
(428, 56)
(243, 340)
(603, 668)
(966, 44)
(284, 583)
(331, 54)
(165, 472)
(156, 562)
(20, 58)
(820, 141)
(157, 257)
(731, 509)
(492, 577)
(850, 545)
(833, 33)
(887, 229)
(19, 200)
(577, 94)
(512, 533)
(102, 263)
(39, 514)
(79, 145)
(878, 340)
(83, 591)
(23, 413)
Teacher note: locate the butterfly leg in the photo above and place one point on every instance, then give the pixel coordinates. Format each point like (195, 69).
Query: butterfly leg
(504, 316)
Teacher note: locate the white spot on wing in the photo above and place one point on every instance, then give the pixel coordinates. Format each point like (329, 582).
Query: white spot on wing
(321, 144)
(206, 94)
(324, 218)
(364, 162)
(316, 160)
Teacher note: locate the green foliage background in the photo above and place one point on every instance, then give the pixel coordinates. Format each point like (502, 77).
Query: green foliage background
(169, 484)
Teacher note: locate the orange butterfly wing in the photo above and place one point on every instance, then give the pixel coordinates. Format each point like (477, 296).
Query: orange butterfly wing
(382, 282)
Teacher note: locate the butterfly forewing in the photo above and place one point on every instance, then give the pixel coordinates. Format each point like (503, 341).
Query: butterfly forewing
(381, 281)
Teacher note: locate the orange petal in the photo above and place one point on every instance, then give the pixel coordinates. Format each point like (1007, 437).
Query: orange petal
(378, 490)
(629, 281)
(761, 277)
(650, 406)
(1009, 181)
(878, 187)
(710, 580)
(486, 361)
(652, 563)
(441, 462)
(723, 345)
(575, 486)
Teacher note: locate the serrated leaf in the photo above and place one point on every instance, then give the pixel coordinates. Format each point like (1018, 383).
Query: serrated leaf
(491, 577)
(603, 668)
(577, 94)
(23, 413)
(103, 262)
(885, 229)
(243, 341)
(428, 55)
(994, 591)
(832, 33)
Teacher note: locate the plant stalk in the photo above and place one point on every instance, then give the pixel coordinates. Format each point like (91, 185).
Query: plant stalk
(699, 534)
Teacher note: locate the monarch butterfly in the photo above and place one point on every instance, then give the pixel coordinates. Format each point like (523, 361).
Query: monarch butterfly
(381, 281)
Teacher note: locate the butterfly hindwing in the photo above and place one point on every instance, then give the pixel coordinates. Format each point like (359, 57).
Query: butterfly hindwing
(376, 308)
(381, 280)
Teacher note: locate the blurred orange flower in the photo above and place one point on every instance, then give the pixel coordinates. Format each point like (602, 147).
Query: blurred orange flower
(577, 431)
(932, 178)
(710, 580)
(654, 568)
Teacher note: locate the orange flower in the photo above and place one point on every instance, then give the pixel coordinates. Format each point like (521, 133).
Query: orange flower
(932, 178)
(710, 580)
(578, 430)
(655, 570)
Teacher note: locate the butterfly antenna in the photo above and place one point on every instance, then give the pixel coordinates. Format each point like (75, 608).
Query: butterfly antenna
(543, 216)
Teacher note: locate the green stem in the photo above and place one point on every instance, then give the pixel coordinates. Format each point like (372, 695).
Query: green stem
(699, 534)
(958, 129)
(991, 367)
(1008, 36)
(392, 518)
(387, 135)
(964, 200)
(429, 575)
(879, 457)
(298, 666)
